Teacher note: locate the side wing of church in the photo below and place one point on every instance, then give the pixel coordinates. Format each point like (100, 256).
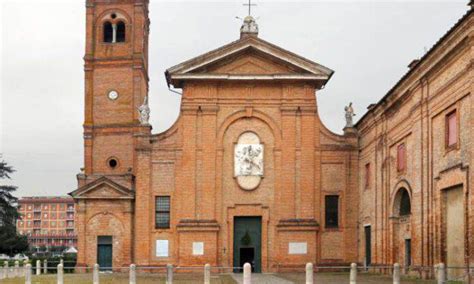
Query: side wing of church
(416, 152)
(245, 174)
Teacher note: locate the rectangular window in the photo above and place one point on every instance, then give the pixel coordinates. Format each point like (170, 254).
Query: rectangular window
(367, 175)
(401, 157)
(332, 211)
(451, 129)
(162, 212)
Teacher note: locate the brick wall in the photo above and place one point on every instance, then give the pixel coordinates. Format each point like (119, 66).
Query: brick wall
(415, 114)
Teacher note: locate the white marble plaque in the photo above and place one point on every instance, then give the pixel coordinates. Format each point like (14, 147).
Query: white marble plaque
(198, 248)
(162, 248)
(248, 160)
(298, 248)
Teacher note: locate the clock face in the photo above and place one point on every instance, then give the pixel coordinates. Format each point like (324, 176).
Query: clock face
(113, 95)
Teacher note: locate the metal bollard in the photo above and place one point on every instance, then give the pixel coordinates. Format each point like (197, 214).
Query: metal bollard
(28, 274)
(95, 275)
(16, 272)
(38, 267)
(169, 274)
(247, 273)
(396, 273)
(207, 274)
(60, 274)
(353, 278)
(441, 273)
(45, 263)
(133, 274)
(309, 273)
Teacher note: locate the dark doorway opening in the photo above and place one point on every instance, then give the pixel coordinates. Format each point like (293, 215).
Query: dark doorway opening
(368, 246)
(247, 243)
(407, 252)
(104, 252)
(247, 255)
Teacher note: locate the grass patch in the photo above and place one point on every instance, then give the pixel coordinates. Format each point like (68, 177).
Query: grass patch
(122, 278)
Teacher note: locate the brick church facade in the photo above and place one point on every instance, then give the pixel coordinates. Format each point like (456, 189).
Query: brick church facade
(248, 173)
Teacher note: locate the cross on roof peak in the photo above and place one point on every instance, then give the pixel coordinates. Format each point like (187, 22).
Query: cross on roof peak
(250, 6)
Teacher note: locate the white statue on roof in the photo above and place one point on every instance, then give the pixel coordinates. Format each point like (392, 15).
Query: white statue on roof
(349, 115)
(144, 111)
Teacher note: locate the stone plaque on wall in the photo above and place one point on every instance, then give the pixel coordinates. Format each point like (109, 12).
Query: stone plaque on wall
(298, 248)
(162, 248)
(198, 248)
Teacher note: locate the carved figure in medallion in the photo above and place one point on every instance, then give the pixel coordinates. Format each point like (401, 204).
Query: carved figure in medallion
(248, 161)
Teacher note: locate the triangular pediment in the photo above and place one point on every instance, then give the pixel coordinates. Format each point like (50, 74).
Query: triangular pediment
(249, 58)
(102, 188)
(251, 62)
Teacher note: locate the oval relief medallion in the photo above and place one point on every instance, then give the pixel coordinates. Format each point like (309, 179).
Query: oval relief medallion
(248, 161)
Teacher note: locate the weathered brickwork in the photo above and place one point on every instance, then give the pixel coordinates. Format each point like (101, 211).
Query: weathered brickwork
(251, 85)
(414, 113)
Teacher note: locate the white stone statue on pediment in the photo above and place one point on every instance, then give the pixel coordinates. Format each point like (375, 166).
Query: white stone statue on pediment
(349, 115)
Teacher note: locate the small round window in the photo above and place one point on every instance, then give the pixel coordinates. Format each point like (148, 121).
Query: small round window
(112, 163)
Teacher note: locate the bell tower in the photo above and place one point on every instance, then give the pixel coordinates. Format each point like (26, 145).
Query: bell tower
(116, 85)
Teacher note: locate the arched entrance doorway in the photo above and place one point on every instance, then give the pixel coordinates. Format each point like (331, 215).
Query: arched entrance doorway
(401, 218)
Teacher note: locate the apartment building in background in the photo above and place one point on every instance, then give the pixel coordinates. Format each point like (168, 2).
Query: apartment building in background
(48, 221)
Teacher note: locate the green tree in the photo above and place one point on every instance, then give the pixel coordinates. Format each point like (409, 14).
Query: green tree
(11, 242)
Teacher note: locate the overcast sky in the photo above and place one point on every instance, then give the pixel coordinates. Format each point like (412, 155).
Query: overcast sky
(368, 44)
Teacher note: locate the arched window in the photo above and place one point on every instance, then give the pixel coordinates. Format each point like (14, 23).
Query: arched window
(405, 204)
(120, 32)
(108, 32)
(402, 203)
